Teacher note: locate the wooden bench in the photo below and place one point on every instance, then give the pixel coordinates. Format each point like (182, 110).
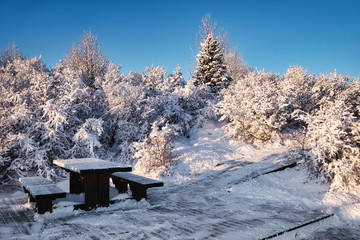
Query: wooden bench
(138, 184)
(42, 191)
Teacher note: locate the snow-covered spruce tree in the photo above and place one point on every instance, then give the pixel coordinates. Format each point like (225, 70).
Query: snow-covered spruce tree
(211, 65)
(178, 76)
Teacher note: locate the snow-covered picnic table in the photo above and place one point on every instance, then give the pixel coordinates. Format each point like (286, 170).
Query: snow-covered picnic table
(91, 177)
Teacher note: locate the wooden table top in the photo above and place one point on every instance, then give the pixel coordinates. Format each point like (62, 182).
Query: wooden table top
(91, 165)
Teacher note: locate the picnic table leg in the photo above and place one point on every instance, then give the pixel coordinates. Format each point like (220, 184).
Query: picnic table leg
(103, 189)
(76, 183)
(91, 190)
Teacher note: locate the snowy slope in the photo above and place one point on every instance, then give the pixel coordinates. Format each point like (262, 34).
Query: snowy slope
(217, 189)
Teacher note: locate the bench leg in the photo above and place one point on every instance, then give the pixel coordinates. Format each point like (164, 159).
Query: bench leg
(138, 192)
(43, 205)
(120, 185)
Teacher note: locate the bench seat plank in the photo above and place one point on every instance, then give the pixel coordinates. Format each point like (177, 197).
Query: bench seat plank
(34, 181)
(46, 192)
(42, 191)
(136, 179)
(138, 184)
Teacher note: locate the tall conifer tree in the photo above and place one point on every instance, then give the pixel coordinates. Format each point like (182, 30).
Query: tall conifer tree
(211, 67)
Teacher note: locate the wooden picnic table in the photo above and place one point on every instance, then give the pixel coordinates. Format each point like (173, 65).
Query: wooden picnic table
(91, 177)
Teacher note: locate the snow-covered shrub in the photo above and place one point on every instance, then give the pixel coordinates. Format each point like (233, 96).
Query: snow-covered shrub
(197, 102)
(154, 77)
(86, 138)
(331, 130)
(332, 139)
(154, 153)
(296, 88)
(253, 107)
(307, 93)
(24, 88)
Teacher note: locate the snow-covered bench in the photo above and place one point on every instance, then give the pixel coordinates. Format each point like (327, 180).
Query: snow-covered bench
(138, 184)
(42, 191)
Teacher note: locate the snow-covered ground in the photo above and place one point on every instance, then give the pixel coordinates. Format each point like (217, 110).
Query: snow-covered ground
(217, 189)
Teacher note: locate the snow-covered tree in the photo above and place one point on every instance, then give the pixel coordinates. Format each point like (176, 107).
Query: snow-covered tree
(154, 77)
(333, 145)
(235, 65)
(10, 54)
(211, 64)
(87, 59)
(173, 81)
(24, 89)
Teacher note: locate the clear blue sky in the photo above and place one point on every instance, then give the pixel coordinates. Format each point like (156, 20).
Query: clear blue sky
(319, 35)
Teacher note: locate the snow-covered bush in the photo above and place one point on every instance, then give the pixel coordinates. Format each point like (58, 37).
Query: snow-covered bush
(306, 93)
(322, 112)
(331, 128)
(154, 153)
(332, 139)
(86, 138)
(253, 108)
(24, 88)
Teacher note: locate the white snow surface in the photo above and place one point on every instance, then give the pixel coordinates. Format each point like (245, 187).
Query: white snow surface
(215, 190)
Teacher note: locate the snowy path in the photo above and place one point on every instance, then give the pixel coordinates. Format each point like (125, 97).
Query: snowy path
(216, 191)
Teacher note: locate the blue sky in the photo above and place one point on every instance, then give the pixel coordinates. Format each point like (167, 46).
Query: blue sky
(318, 35)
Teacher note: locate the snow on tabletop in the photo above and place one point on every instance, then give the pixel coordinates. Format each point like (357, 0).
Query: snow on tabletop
(80, 164)
(64, 162)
